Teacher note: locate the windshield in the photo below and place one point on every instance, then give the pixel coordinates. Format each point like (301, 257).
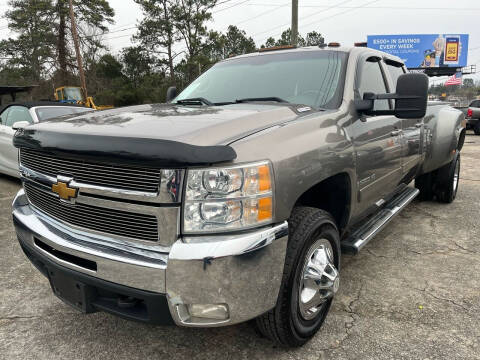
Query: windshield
(72, 93)
(302, 77)
(45, 113)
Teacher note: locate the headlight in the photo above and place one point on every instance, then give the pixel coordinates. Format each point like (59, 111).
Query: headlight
(228, 198)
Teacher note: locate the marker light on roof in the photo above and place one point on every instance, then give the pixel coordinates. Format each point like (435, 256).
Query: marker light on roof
(283, 47)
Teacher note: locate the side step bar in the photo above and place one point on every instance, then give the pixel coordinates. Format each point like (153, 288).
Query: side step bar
(361, 236)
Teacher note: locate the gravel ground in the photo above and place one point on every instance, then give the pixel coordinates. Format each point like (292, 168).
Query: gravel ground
(412, 293)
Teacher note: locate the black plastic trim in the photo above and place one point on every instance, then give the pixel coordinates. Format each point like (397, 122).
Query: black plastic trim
(81, 262)
(156, 153)
(104, 296)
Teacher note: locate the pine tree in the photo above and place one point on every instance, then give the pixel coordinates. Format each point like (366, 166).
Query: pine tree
(43, 43)
(156, 31)
(190, 18)
(90, 15)
(32, 50)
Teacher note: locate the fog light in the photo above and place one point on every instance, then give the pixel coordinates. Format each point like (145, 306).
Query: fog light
(209, 311)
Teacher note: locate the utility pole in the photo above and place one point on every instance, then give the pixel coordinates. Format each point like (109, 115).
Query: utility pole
(77, 52)
(294, 37)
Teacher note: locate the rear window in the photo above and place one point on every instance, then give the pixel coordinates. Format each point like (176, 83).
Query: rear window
(475, 103)
(45, 113)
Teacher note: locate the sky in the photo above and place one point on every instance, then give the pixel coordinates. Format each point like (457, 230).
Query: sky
(344, 21)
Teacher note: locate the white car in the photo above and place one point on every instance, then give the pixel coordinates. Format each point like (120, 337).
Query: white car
(31, 113)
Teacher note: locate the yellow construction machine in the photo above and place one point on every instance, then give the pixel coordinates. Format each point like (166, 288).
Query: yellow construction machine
(75, 95)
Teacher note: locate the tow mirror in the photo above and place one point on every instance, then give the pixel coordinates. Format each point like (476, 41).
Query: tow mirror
(171, 93)
(410, 98)
(20, 125)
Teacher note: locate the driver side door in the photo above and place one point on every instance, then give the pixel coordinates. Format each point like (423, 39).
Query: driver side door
(376, 139)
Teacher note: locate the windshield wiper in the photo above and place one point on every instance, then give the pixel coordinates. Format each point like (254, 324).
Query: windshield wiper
(197, 100)
(271, 98)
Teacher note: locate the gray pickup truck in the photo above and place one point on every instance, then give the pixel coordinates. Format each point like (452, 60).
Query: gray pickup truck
(473, 116)
(236, 199)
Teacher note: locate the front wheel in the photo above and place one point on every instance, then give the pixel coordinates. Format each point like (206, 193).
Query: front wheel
(310, 279)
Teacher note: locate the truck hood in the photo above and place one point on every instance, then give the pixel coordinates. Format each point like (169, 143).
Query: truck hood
(155, 135)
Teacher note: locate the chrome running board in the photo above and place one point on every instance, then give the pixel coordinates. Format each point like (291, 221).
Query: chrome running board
(366, 232)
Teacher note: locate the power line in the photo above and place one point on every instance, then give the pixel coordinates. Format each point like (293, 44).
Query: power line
(110, 32)
(223, 2)
(343, 12)
(234, 5)
(377, 7)
(136, 27)
(121, 26)
(261, 14)
(118, 37)
(302, 18)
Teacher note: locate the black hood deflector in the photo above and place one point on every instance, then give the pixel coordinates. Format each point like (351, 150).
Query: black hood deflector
(156, 153)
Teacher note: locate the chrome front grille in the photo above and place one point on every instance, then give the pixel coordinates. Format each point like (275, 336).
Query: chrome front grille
(102, 219)
(111, 176)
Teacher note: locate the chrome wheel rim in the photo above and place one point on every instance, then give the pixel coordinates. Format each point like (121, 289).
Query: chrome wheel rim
(319, 279)
(456, 176)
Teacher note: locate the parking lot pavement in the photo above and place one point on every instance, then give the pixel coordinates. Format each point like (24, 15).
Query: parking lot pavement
(412, 293)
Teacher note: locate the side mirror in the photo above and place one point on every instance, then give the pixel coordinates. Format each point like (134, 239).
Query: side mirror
(412, 96)
(171, 93)
(20, 125)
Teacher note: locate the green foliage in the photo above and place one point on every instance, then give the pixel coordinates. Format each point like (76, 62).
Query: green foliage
(93, 13)
(109, 67)
(92, 17)
(468, 91)
(136, 64)
(32, 50)
(221, 46)
(42, 27)
(312, 39)
(190, 18)
(156, 31)
(172, 46)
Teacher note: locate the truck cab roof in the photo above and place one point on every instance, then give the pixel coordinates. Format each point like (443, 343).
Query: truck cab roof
(346, 49)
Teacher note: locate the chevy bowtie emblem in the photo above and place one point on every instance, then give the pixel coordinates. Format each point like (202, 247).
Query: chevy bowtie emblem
(64, 191)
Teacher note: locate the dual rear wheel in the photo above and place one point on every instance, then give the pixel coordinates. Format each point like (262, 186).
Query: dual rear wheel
(442, 183)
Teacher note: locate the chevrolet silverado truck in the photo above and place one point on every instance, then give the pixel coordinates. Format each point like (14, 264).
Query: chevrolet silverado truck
(236, 199)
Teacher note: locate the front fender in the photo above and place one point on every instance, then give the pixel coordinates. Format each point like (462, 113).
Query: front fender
(303, 153)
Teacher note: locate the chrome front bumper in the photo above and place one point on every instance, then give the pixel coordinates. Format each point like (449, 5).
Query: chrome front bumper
(243, 272)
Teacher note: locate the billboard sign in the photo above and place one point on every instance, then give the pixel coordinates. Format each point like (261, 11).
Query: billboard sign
(424, 51)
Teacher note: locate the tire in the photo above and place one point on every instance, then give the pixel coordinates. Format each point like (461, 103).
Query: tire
(291, 323)
(424, 183)
(450, 175)
(476, 128)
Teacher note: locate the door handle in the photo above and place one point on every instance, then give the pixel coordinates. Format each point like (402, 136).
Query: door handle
(396, 132)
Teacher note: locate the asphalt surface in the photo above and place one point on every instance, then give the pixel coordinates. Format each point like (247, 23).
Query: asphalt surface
(412, 293)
